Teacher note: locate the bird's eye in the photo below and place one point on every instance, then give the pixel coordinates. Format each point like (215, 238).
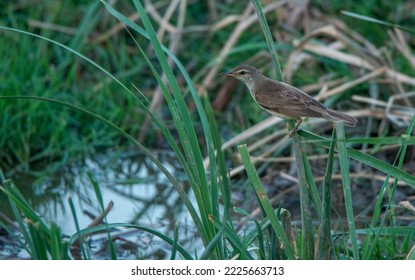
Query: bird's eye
(242, 72)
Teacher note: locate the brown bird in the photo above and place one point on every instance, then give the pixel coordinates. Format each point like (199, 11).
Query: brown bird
(283, 100)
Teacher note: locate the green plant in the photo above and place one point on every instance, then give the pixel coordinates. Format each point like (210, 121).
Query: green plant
(270, 237)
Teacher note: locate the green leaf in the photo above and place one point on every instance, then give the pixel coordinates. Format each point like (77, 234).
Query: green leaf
(264, 200)
(347, 189)
(364, 158)
(366, 18)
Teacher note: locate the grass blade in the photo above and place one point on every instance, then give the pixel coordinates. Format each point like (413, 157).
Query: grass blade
(268, 38)
(84, 251)
(378, 21)
(264, 200)
(308, 239)
(347, 190)
(159, 165)
(371, 240)
(307, 248)
(364, 158)
(325, 241)
(100, 200)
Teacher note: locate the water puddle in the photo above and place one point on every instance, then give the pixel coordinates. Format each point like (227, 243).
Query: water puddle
(139, 192)
(141, 195)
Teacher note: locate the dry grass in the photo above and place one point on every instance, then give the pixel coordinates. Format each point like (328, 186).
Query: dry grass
(321, 55)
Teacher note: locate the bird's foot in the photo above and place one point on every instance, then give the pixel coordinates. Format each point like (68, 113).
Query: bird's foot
(296, 128)
(293, 132)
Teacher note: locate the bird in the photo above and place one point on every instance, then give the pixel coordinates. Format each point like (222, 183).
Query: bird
(283, 100)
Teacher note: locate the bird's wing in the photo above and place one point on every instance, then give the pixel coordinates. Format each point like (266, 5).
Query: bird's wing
(287, 100)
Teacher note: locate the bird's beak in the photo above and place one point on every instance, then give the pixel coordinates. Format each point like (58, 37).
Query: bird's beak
(229, 74)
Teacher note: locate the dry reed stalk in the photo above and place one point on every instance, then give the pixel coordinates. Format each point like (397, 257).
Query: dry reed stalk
(247, 18)
(51, 27)
(351, 84)
(163, 21)
(401, 45)
(114, 30)
(213, 12)
(333, 53)
(321, 84)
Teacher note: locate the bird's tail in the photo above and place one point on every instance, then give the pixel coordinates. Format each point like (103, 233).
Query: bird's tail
(337, 116)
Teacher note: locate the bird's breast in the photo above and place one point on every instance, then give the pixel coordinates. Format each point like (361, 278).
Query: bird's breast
(252, 93)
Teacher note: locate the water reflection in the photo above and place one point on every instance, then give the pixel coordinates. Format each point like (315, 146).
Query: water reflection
(140, 193)
(143, 196)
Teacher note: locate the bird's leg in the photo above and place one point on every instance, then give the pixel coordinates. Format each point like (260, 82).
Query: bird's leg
(297, 125)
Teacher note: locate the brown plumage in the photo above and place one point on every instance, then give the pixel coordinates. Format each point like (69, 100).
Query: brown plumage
(283, 100)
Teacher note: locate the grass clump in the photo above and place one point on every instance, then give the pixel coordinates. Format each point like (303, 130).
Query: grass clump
(187, 122)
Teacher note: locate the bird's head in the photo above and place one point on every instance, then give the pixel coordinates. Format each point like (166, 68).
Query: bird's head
(245, 73)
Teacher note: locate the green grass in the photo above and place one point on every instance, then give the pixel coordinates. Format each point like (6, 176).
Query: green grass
(46, 117)
(38, 133)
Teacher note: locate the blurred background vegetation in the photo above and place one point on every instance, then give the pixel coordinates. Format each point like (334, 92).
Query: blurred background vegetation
(37, 134)
(350, 64)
